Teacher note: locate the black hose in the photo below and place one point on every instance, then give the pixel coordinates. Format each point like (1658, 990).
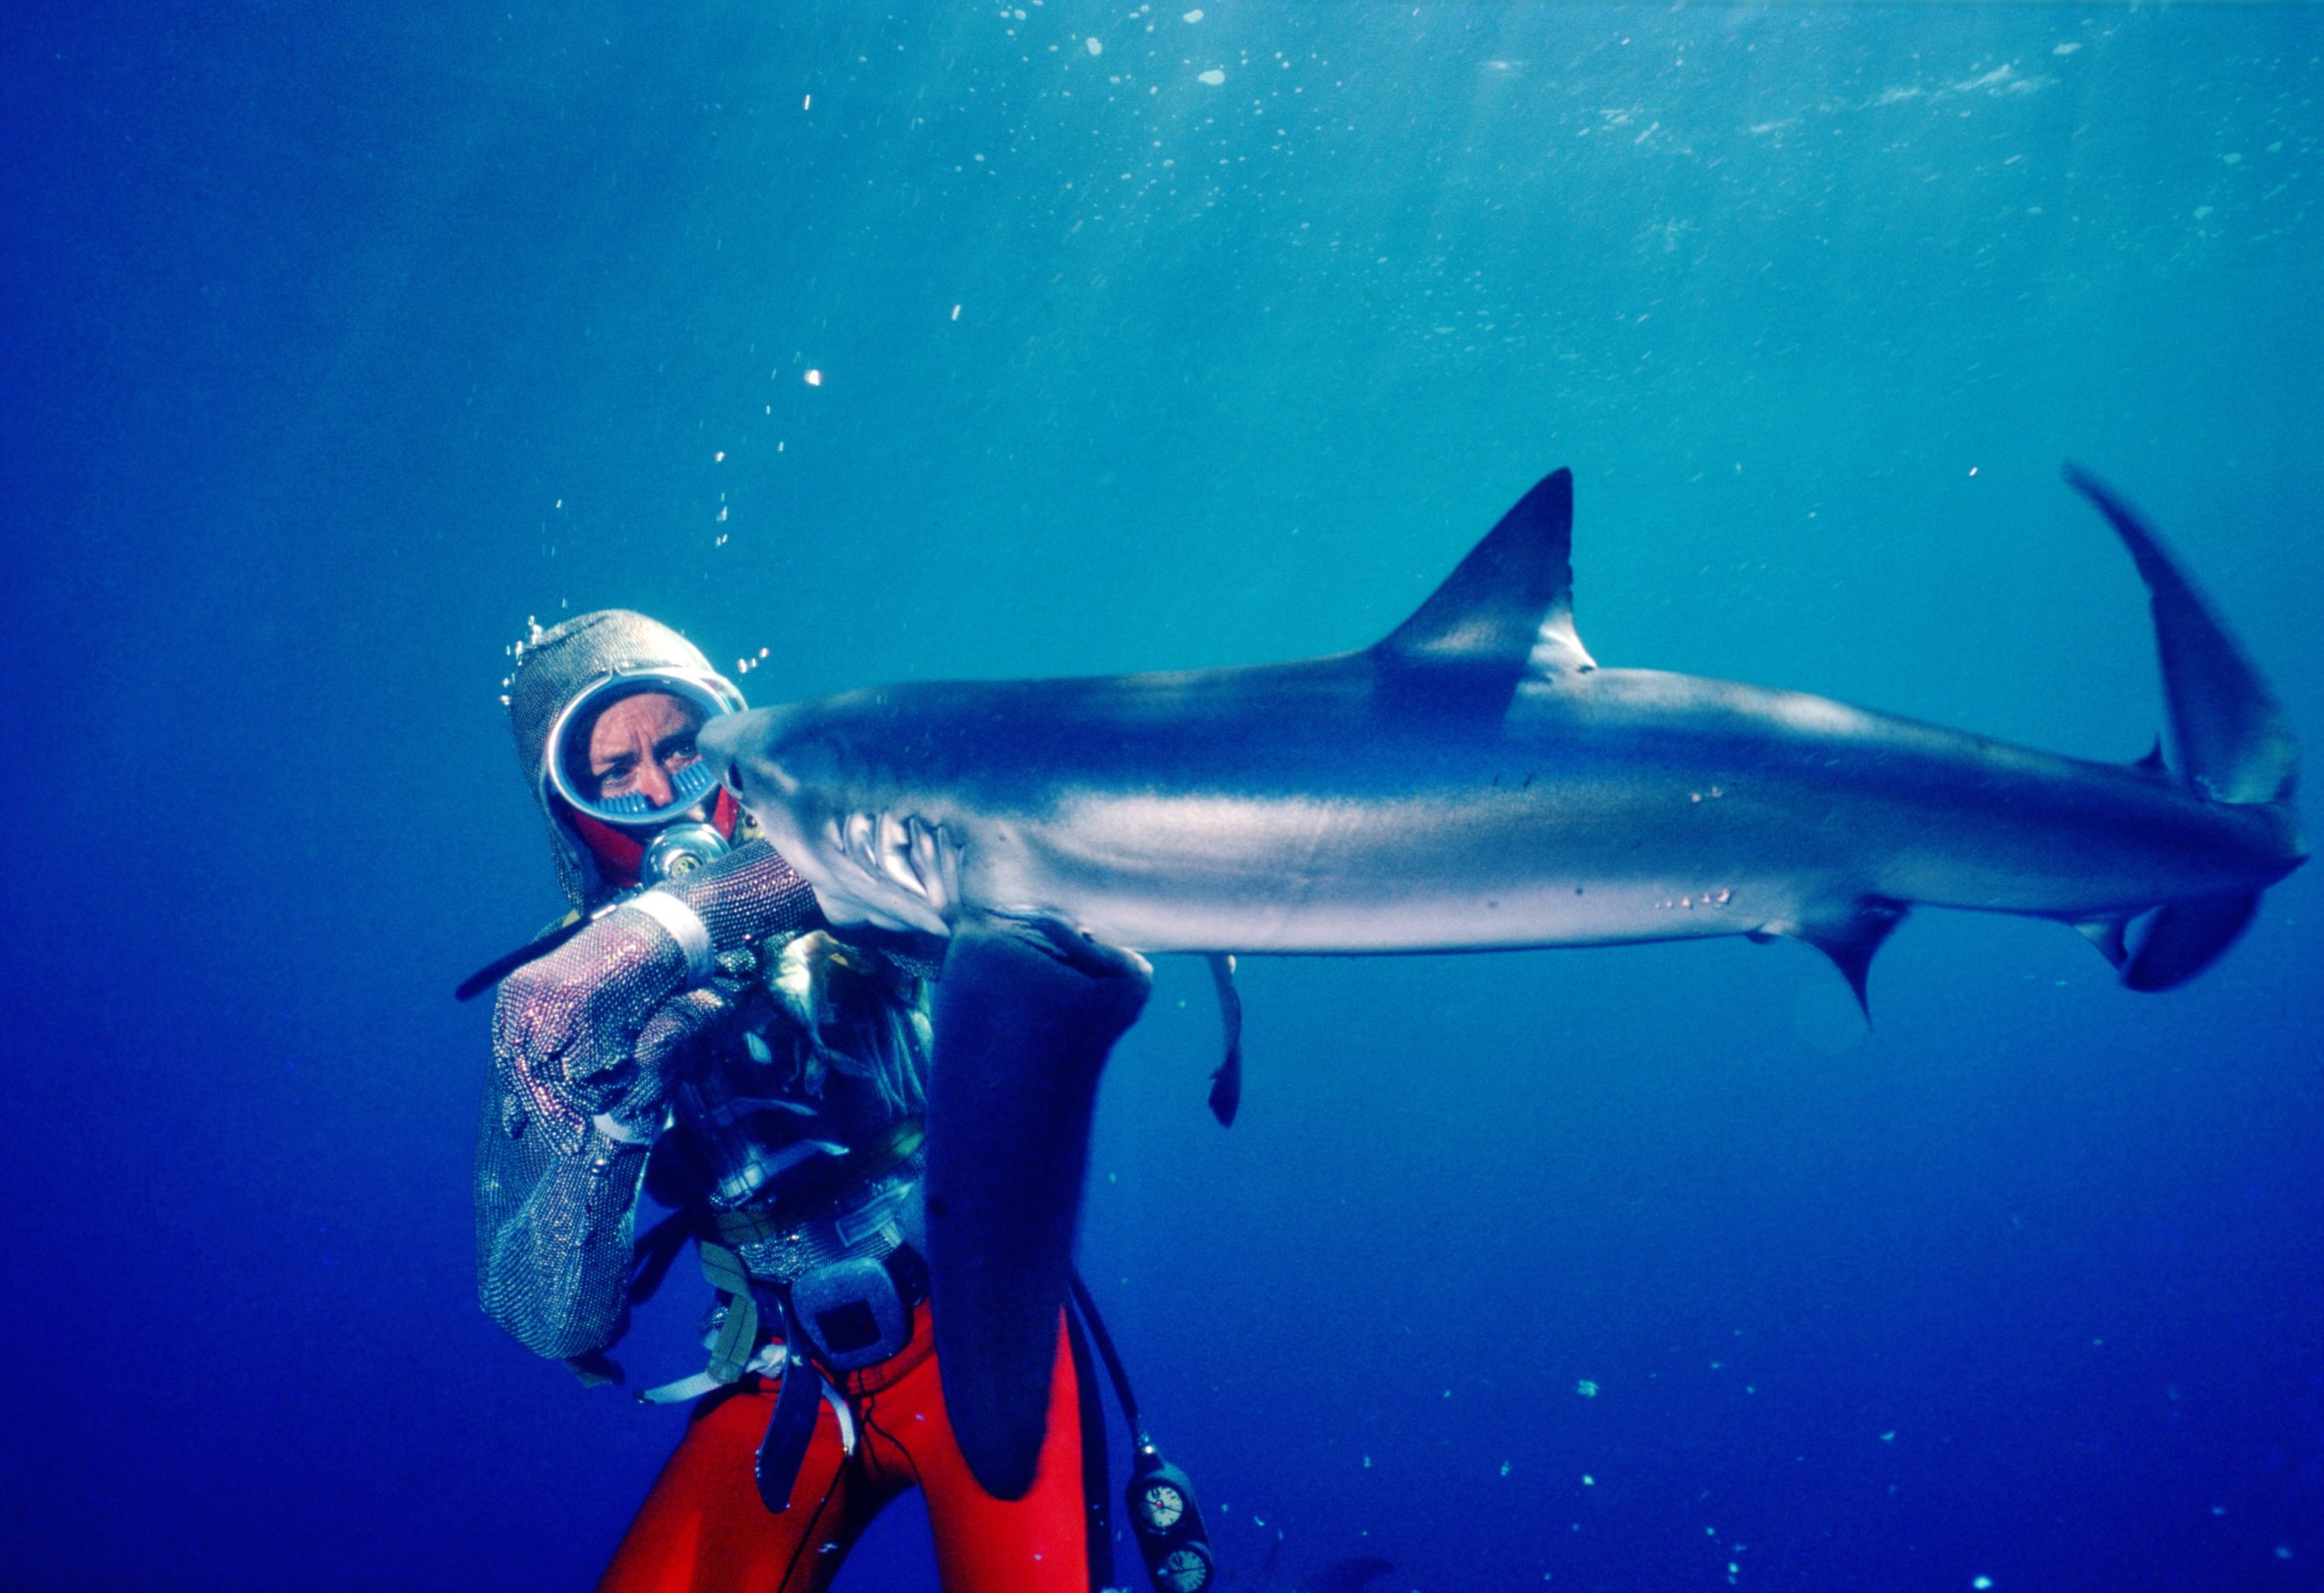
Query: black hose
(1106, 1353)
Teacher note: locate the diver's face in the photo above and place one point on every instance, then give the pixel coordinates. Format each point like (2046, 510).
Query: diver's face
(639, 742)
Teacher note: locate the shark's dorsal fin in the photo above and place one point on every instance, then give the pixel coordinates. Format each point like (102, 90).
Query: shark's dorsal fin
(1509, 607)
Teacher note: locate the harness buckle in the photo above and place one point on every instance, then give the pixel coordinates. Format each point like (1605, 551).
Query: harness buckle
(851, 1312)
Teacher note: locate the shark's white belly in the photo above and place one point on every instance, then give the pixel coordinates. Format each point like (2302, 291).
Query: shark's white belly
(1215, 874)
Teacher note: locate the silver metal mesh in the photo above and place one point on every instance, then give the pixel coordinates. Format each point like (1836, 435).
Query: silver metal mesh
(555, 1198)
(747, 897)
(592, 1032)
(553, 1227)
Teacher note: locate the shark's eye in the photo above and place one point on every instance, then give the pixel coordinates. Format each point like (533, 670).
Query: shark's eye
(734, 778)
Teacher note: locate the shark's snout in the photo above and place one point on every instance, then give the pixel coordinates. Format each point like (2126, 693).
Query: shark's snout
(727, 742)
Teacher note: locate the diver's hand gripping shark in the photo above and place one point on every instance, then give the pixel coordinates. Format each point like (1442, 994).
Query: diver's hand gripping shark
(1473, 782)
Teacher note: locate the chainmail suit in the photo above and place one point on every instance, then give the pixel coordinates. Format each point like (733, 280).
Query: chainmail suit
(800, 1049)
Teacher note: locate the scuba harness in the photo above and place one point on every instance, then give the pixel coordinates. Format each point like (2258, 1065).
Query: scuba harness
(808, 1321)
(855, 1313)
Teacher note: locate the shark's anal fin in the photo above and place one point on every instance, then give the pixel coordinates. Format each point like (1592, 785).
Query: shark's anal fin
(1851, 938)
(1227, 1080)
(1505, 612)
(1025, 1017)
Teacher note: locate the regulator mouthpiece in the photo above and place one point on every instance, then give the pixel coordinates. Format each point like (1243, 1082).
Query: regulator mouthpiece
(679, 851)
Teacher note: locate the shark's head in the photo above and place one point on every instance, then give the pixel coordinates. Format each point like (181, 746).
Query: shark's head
(833, 817)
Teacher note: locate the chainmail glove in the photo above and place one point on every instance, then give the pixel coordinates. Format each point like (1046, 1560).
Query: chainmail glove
(590, 1030)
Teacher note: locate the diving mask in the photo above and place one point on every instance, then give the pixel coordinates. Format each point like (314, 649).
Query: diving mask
(623, 751)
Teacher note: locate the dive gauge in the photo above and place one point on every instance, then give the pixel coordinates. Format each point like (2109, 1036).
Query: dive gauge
(1168, 1524)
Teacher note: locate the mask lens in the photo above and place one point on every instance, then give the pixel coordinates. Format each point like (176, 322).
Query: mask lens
(625, 752)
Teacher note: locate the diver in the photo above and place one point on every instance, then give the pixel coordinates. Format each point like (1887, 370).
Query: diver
(775, 1107)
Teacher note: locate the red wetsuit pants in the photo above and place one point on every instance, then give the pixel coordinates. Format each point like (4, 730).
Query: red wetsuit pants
(704, 1529)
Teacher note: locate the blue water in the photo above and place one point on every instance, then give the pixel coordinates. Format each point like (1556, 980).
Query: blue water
(340, 344)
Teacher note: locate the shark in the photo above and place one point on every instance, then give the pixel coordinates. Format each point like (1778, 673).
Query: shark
(1475, 781)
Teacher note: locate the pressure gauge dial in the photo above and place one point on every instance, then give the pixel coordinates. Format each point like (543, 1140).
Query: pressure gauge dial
(1186, 1570)
(1163, 1505)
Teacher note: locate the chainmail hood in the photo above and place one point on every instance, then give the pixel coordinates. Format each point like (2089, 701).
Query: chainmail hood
(552, 669)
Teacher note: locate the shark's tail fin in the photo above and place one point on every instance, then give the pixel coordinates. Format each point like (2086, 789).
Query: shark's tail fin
(2232, 740)
(2185, 938)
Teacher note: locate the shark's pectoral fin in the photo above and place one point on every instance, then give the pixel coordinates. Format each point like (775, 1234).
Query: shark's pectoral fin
(1850, 935)
(1227, 1080)
(1025, 1016)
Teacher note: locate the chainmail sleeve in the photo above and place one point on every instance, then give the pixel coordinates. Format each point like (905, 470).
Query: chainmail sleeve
(587, 1044)
(554, 1204)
